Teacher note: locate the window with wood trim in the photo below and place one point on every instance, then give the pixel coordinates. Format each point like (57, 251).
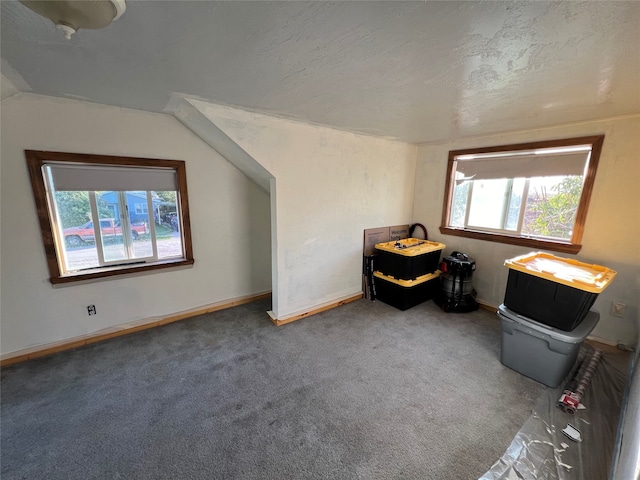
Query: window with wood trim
(533, 194)
(102, 216)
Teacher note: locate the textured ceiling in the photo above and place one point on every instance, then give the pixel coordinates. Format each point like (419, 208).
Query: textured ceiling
(414, 71)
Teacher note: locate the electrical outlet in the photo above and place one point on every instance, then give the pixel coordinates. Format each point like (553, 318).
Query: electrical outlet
(91, 309)
(618, 309)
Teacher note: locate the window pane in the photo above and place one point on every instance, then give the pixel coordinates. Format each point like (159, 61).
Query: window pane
(113, 247)
(488, 203)
(121, 244)
(141, 208)
(139, 223)
(515, 201)
(168, 236)
(552, 204)
(76, 230)
(459, 204)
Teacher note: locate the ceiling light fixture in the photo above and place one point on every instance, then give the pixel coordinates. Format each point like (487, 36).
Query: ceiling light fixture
(71, 15)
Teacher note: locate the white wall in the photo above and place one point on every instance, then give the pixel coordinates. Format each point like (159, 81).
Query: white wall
(330, 185)
(612, 230)
(230, 221)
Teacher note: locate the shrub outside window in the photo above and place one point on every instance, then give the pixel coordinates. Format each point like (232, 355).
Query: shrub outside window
(533, 194)
(103, 215)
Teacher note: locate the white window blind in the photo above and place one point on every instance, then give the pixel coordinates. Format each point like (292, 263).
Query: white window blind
(523, 166)
(73, 177)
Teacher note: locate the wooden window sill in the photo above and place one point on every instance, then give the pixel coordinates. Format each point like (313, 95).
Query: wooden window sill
(535, 243)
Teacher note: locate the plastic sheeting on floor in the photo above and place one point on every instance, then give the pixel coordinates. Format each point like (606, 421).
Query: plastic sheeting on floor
(541, 450)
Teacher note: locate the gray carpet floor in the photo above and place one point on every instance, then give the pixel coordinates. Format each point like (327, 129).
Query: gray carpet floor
(363, 391)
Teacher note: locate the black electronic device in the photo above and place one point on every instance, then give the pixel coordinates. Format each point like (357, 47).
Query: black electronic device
(457, 293)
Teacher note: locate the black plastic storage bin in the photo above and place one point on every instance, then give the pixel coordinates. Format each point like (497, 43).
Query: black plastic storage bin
(554, 291)
(409, 258)
(404, 294)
